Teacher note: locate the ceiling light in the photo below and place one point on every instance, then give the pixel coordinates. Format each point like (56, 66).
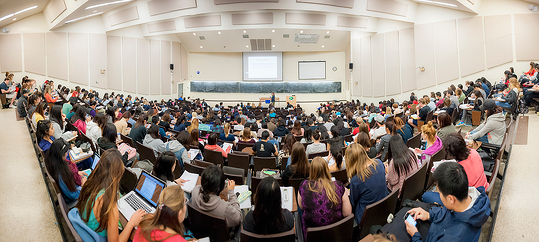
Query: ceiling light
(91, 15)
(322, 46)
(245, 31)
(109, 3)
(194, 33)
(273, 46)
(201, 47)
(13, 14)
(14, 19)
(247, 46)
(440, 3)
(95, 11)
(301, 32)
(273, 30)
(327, 32)
(219, 32)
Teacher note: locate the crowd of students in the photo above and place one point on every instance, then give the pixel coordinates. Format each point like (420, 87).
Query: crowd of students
(376, 161)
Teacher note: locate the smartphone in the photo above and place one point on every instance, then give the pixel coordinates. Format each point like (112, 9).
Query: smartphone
(410, 219)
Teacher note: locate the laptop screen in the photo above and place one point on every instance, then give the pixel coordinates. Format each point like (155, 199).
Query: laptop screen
(149, 188)
(96, 160)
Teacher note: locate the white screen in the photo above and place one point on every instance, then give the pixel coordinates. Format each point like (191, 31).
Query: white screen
(262, 66)
(309, 70)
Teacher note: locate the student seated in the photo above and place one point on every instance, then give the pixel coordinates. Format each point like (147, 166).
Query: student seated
(405, 130)
(94, 128)
(268, 217)
(263, 148)
(364, 140)
(45, 134)
(212, 145)
(153, 140)
(421, 113)
(58, 122)
(166, 223)
(99, 196)
(246, 136)
(177, 146)
(465, 209)
(456, 148)
(446, 127)
(402, 163)
(383, 145)
(297, 130)
(206, 196)
(367, 179)
(281, 129)
(492, 130)
(80, 118)
(323, 201)
(286, 150)
(164, 168)
(138, 132)
(335, 159)
(299, 165)
(38, 114)
(63, 171)
(108, 141)
(316, 146)
(22, 103)
(434, 143)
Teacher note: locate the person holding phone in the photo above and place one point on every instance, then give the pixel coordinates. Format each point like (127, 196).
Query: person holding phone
(465, 209)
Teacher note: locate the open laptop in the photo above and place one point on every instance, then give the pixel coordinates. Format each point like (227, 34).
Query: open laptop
(145, 196)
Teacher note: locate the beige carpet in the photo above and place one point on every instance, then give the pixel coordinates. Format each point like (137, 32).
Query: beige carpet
(517, 214)
(26, 213)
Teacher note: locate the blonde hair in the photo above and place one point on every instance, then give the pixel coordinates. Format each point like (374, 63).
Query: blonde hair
(321, 178)
(388, 110)
(430, 131)
(226, 128)
(194, 125)
(48, 89)
(357, 161)
(514, 83)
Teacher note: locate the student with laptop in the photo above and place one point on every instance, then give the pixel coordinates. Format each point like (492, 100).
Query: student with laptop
(63, 171)
(166, 223)
(98, 199)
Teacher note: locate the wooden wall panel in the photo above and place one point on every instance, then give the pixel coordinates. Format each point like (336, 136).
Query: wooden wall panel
(393, 84)
(129, 60)
(78, 58)
(114, 62)
(34, 53)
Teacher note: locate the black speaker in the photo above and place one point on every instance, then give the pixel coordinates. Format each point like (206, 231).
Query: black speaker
(172, 66)
(351, 66)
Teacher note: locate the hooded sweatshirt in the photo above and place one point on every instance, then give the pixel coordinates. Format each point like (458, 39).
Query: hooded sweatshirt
(281, 131)
(157, 145)
(493, 127)
(176, 146)
(216, 206)
(93, 131)
(448, 225)
(429, 152)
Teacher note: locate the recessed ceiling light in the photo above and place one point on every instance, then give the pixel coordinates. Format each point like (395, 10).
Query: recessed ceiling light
(322, 46)
(95, 11)
(201, 47)
(109, 3)
(273, 46)
(301, 32)
(13, 14)
(14, 19)
(87, 16)
(245, 31)
(440, 3)
(247, 46)
(219, 32)
(327, 32)
(194, 33)
(273, 30)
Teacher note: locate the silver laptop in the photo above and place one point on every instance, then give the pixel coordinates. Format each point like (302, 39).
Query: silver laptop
(145, 196)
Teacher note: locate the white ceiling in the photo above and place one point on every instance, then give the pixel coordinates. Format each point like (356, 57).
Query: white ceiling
(82, 11)
(234, 42)
(13, 6)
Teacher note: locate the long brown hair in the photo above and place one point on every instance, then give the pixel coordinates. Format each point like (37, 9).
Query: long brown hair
(194, 137)
(246, 134)
(297, 128)
(321, 180)
(106, 176)
(194, 125)
(299, 163)
(357, 161)
(171, 202)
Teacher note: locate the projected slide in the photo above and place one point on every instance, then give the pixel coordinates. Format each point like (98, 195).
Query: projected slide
(263, 66)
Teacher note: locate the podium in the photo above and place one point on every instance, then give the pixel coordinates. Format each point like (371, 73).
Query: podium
(291, 100)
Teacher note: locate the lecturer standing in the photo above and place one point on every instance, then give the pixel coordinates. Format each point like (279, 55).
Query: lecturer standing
(273, 99)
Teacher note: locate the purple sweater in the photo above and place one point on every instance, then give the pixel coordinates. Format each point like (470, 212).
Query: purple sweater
(432, 149)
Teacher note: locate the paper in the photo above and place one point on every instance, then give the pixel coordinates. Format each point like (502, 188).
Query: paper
(440, 111)
(227, 147)
(287, 197)
(191, 181)
(193, 153)
(438, 163)
(414, 116)
(247, 202)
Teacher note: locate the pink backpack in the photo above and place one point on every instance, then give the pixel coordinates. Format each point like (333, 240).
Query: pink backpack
(131, 152)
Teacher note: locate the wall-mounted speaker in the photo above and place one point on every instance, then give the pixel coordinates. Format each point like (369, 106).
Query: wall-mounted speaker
(171, 66)
(351, 66)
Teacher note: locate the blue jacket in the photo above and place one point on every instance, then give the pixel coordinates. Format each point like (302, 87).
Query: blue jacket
(368, 192)
(485, 88)
(448, 225)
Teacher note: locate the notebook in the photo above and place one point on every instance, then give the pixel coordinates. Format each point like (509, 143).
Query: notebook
(287, 197)
(145, 196)
(191, 181)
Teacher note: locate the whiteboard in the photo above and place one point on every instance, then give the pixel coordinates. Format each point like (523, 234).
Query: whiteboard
(309, 70)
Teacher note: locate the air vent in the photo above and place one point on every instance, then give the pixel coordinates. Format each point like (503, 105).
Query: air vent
(260, 44)
(245, 36)
(286, 35)
(306, 38)
(201, 37)
(327, 36)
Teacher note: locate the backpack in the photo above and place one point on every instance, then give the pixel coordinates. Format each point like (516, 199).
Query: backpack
(131, 152)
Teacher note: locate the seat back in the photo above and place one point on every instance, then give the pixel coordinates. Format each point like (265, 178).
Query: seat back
(321, 154)
(376, 213)
(241, 146)
(215, 157)
(203, 224)
(264, 162)
(340, 176)
(239, 160)
(296, 182)
(127, 140)
(193, 168)
(298, 138)
(289, 236)
(492, 178)
(339, 231)
(146, 152)
(85, 138)
(235, 174)
(429, 116)
(412, 187)
(63, 209)
(128, 181)
(415, 141)
(348, 138)
(440, 155)
(85, 233)
(256, 180)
